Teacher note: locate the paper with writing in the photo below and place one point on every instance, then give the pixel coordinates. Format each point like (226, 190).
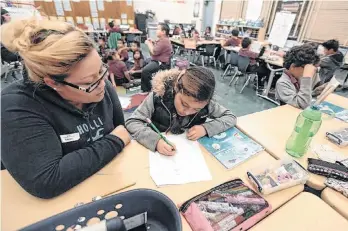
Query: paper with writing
(186, 166)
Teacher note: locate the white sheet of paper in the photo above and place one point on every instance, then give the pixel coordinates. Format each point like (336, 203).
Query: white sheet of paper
(186, 166)
(125, 101)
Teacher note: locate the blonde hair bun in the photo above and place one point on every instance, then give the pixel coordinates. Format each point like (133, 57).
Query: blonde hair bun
(47, 47)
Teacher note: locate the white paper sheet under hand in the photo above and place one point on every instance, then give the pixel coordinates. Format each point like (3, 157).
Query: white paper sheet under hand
(186, 166)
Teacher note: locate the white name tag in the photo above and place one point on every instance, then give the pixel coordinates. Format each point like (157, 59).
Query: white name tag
(70, 137)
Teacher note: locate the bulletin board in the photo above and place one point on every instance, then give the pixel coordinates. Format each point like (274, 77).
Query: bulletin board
(99, 9)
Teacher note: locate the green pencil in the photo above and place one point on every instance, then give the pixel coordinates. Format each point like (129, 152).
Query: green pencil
(159, 133)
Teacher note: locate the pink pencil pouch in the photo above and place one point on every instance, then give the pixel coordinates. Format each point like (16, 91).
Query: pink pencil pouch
(229, 206)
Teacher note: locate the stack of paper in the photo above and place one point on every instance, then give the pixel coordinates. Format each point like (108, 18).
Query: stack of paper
(187, 165)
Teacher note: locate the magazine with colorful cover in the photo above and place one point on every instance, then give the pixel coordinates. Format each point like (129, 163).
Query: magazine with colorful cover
(231, 147)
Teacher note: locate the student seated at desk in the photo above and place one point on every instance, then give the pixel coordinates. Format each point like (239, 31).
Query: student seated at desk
(295, 85)
(118, 72)
(246, 52)
(176, 30)
(182, 32)
(332, 60)
(181, 100)
(63, 122)
(233, 41)
(207, 32)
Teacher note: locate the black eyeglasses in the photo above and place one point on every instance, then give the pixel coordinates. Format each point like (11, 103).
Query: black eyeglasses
(93, 86)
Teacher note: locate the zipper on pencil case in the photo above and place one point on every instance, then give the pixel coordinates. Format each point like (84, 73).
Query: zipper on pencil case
(259, 186)
(239, 182)
(185, 205)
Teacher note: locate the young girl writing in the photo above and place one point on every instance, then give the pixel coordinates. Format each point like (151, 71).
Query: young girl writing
(181, 100)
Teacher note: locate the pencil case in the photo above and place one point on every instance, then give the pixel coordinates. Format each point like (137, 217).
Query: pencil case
(229, 206)
(283, 174)
(338, 185)
(339, 137)
(327, 169)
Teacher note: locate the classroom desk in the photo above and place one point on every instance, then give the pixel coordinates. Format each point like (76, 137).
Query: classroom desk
(132, 32)
(198, 43)
(272, 128)
(133, 162)
(19, 208)
(277, 62)
(181, 193)
(303, 213)
(336, 200)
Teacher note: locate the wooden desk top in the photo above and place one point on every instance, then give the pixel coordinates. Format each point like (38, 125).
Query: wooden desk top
(131, 164)
(132, 32)
(277, 62)
(336, 200)
(181, 193)
(303, 213)
(198, 43)
(272, 128)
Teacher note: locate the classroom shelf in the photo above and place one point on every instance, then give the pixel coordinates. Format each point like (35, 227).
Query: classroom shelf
(257, 33)
(229, 25)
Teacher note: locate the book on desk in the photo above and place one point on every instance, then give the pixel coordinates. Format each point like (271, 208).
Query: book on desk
(231, 147)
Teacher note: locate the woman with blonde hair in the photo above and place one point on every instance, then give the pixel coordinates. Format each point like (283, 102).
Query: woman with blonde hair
(63, 122)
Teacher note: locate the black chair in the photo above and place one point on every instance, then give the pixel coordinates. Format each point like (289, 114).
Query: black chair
(233, 65)
(209, 52)
(243, 64)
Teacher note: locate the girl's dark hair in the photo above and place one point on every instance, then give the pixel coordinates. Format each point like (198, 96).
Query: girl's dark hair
(300, 56)
(141, 54)
(331, 44)
(197, 82)
(235, 32)
(246, 42)
(165, 28)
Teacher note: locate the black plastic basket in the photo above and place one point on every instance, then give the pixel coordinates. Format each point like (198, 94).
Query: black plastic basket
(162, 214)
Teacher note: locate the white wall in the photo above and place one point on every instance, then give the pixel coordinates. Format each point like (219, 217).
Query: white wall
(168, 10)
(216, 17)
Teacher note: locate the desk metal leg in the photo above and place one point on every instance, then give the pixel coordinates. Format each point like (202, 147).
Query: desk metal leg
(269, 84)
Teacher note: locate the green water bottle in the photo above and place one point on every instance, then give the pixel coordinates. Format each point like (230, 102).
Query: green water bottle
(307, 125)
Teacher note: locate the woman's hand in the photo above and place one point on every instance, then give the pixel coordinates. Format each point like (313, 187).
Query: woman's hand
(164, 148)
(196, 132)
(122, 133)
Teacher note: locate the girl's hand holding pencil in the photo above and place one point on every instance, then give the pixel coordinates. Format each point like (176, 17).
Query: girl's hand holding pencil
(163, 146)
(165, 149)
